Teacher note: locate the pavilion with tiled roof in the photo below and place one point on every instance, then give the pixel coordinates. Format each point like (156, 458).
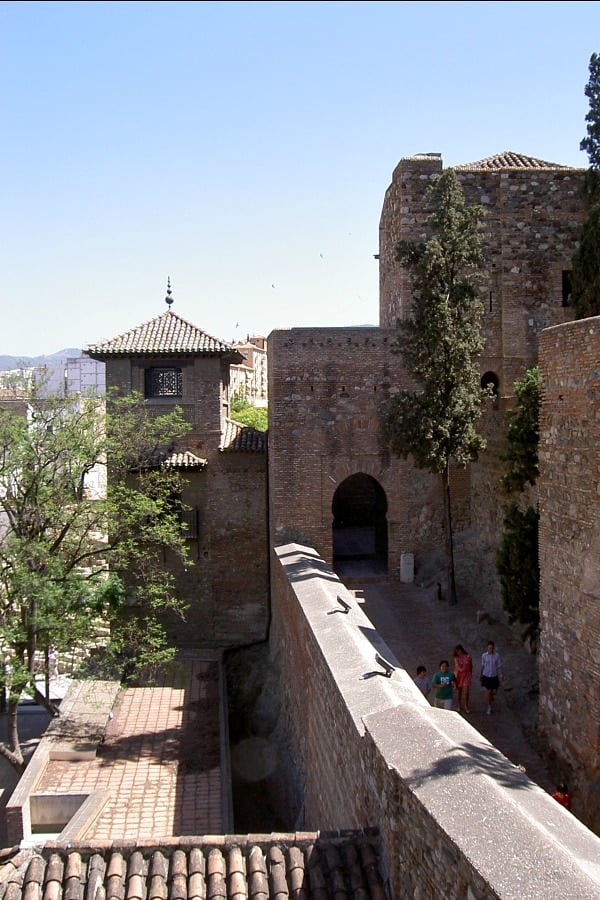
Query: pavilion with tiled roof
(164, 335)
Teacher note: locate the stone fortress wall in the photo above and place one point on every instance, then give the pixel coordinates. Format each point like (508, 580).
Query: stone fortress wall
(569, 502)
(533, 216)
(368, 750)
(329, 388)
(328, 391)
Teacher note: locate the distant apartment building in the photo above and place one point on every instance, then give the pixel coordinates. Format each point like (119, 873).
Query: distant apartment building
(84, 375)
(248, 379)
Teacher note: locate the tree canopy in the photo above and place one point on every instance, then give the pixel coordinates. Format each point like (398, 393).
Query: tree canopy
(591, 143)
(243, 411)
(517, 558)
(80, 542)
(523, 435)
(440, 341)
(585, 280)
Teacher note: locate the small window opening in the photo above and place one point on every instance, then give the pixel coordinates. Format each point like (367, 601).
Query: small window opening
(490, 379)
(567, 286)
(164, 382)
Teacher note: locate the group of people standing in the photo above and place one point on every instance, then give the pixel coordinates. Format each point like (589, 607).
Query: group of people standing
(452, 686)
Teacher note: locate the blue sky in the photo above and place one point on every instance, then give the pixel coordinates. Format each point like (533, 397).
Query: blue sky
(244, 149)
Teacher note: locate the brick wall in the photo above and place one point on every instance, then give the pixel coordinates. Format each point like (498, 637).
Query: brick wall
(569, 658)
(457, 818)
(226, 588)
(533, 217)
(328, 392)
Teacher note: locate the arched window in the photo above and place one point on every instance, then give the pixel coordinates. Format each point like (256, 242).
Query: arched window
(491, 379)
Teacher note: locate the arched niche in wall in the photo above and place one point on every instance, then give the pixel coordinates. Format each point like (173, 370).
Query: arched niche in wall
(490, 379)
(359, 527)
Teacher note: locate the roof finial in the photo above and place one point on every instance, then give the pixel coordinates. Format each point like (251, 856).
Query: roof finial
(168, 298)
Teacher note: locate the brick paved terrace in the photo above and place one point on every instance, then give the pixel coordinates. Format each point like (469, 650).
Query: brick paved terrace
(160, 761)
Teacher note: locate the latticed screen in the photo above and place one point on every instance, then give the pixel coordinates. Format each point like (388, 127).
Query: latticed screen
(164, 382)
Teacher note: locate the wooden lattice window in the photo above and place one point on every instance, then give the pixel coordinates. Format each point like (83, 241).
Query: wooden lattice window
(164, 381)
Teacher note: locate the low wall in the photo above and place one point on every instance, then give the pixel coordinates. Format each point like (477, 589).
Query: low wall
(456, 817)
(76, 734)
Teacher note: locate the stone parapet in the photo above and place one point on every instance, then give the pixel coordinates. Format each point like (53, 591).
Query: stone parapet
(370, 751)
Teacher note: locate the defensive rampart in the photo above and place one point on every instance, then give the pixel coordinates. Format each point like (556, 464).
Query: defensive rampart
(569, 659)
(456, 817)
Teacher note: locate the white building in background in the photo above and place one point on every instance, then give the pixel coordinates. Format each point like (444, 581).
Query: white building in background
(84, 376)
(248, 380)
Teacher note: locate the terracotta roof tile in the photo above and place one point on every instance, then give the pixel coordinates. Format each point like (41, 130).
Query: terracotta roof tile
(510, 160)
(184, 460)
(306, 866)
(165, 335)
(238, 437)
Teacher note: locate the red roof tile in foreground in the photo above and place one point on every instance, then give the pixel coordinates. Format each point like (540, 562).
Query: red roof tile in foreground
(165, 335)
(260, 867)
(242, 438)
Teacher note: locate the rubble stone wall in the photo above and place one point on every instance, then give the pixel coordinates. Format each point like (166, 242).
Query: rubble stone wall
(369, 751)
(569, 501)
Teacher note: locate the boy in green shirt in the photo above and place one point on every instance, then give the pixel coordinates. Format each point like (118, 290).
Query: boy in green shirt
(444, 683)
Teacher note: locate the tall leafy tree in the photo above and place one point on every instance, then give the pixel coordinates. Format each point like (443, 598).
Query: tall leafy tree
(585, 283)
(440, 341)
(517, 559)
(79, 544)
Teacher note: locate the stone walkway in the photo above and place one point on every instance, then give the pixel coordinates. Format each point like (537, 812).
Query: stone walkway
(422, 630)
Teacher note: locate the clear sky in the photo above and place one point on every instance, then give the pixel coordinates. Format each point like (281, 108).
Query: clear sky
(244, 149)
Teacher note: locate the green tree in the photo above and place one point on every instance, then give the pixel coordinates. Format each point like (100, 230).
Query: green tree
(440, 340)
(517, 559)
(523, 435)
(585, 279)
(73, 552)
(256, 417)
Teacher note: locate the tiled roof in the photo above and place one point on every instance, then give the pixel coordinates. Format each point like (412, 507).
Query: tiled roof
(184, 460)
(165, 335)
(241, 437)
(510, 160)
(302, 865)
(177, 459)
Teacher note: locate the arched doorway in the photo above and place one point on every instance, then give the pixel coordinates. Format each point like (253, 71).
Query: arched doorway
(359, 531)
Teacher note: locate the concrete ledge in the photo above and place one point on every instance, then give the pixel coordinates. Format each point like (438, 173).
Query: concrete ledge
(75, 734)
(86, 815)
(518, 838)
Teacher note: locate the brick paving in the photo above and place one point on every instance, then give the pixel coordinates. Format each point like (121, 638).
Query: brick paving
(160, 762)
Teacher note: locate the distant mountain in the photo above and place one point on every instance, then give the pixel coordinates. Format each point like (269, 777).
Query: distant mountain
(53, 360)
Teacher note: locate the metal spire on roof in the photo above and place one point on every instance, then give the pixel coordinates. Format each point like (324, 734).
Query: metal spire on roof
(168, 298)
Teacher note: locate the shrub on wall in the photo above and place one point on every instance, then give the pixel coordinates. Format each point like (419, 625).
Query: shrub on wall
(517, 560)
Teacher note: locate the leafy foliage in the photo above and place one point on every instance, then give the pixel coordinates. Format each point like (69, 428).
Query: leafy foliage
(440, 340)
(523, 435)
(517, 565)
(77, 545)
(256, 417)
(517, 559)
(585, 281)
(591, 143)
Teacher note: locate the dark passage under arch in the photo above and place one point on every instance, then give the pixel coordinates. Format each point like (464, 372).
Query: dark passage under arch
(359, 530)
